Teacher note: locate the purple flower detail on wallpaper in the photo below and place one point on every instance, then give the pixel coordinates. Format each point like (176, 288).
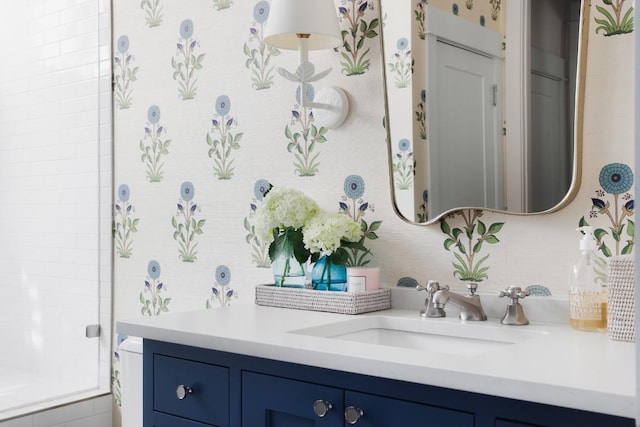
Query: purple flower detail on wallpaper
(185, 63)
(153, 146)
(222, 141)
(403, 165)
(356, 208)
(124, 74)
(153, 12)
(220, 291)
(259, 55)
(355, 58)
(186, 224)
(151, 296)
(304, 136)
(123, 224)
(259, 250)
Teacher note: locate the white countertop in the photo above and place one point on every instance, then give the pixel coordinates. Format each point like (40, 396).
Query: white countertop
(559, 367)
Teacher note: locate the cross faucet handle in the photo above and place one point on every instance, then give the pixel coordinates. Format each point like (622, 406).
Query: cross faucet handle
(514, 292)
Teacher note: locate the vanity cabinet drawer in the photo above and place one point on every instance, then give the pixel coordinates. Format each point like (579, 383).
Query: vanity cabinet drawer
(204, 389)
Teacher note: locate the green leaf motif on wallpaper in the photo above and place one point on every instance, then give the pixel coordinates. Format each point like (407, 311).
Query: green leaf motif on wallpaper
(421, 115)
(152, 12)
(187, 63)
(495, 9)
(403, 166)
(402, 64)
(152, 145)
(303, 138)
(221, 141)
(418, 14)
(259, 54)
(467, 241)
(116, 384)
(355, 61)
(259, 249)
(616, 23)
(123, 74)
(124, 225)
(151, 299)
(616, 204)
(354, 206)
(186, 226)
(222, 4)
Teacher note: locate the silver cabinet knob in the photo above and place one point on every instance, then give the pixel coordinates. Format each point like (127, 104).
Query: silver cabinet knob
(183, 391)
(353, 414)
(321, 407)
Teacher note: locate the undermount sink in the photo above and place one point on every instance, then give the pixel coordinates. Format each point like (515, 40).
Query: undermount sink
(446, 336)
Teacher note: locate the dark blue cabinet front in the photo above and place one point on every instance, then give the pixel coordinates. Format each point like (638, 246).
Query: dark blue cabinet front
(234, 390)
(279, 402)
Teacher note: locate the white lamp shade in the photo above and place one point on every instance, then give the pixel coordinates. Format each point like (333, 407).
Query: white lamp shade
(317, 18)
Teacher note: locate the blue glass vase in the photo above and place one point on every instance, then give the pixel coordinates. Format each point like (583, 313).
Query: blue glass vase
(327, 276)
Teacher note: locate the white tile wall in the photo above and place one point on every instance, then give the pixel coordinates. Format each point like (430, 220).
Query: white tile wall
(55, 199)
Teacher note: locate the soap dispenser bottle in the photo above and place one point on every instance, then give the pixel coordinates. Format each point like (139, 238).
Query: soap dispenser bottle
(587, 299)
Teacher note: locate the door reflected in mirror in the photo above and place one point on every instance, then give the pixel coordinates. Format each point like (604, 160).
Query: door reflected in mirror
(482, 101)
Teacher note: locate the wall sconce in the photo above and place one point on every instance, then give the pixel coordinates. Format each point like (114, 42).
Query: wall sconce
(306, 25)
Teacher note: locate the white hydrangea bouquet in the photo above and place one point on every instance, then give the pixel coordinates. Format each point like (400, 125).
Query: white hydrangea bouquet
(296, 228)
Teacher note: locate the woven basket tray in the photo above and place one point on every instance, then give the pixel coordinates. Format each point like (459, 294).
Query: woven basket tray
(621, 298)
(333, 302)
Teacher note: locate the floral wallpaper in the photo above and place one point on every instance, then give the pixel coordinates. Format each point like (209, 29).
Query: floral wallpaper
(203, 123)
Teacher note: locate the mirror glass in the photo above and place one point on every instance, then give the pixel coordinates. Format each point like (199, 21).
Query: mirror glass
(483, 104)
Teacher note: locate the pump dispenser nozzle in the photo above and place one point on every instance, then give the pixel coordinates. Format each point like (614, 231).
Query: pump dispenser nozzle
(588, 241)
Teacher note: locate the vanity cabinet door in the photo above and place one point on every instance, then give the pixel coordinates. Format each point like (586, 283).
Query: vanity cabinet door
(379, 411)
(271, 401)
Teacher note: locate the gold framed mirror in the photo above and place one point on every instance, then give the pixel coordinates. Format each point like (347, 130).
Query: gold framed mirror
(483, 107)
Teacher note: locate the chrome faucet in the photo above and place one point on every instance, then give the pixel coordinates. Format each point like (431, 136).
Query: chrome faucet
(470, 305)
(429, 309)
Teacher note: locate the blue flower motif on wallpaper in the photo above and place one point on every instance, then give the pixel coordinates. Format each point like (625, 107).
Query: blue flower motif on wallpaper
(303, 137)
(259, 54)
(403, 165)
(152, 145)
(418, 14)
(259, 250)
(421, 115)
(402, 64)
(356, 207)
(186, 226)
(185, 62)
(152, 12)
(123, 73)
(222, 4)
(124, 224)
(221, 293)
(221, 141)
(467, 241)
(616, 204)
(355, 61)
(151, 297)
(616, 23)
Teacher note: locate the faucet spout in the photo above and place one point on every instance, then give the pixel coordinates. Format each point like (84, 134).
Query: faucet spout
(470, 305)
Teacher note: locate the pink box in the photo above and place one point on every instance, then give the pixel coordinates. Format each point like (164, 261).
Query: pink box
(360, 279)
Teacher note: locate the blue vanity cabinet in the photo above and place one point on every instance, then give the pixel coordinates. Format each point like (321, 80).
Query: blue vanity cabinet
(233, 390)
